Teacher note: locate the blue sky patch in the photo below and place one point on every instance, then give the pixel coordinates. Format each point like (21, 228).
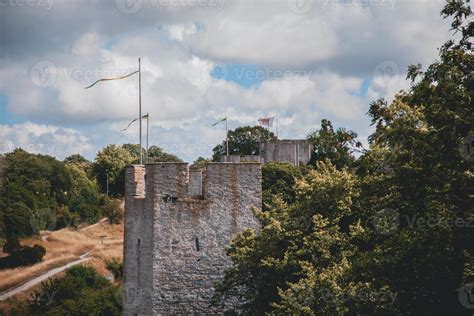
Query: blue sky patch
(245, 75)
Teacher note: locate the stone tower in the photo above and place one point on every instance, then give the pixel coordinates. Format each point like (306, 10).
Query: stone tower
(178, 223)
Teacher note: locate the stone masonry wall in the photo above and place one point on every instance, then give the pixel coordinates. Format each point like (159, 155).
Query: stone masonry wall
(294, 151)
(189, 233)
(137, 245)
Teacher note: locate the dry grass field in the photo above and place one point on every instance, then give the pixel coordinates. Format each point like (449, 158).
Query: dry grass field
(66, 245)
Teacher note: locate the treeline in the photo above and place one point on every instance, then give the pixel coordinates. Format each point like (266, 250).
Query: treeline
(386, 231)
(38, 192)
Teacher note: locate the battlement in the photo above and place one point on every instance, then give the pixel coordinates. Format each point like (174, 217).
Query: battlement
(179, 180)
(178, 222)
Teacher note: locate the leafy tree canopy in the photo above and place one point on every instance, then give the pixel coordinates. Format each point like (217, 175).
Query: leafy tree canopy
(243, 141)
(337, 146)
(388, 233)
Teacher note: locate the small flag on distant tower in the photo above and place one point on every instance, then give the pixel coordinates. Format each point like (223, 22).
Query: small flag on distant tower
(266, 121)
(221, 120)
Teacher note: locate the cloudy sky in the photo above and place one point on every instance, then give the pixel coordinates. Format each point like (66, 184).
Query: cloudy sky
(301, 60)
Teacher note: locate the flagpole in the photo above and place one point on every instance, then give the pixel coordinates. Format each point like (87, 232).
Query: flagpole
(140, 108)
(276, 117)
(226, 137)
(147, 129)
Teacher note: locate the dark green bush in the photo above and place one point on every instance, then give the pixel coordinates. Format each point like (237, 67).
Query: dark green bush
(115, 265)
(23, 256)
(80, 292)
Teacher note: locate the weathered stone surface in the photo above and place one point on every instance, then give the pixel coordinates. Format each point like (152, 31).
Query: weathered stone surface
(238, 158)
(177, 228)
(294, 151)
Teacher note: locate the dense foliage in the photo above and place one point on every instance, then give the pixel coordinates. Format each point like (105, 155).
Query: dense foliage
(80, 292)
(20, 255)
(111, 161)
(243, 141)
(389, 232)
(278, 180)
(337, 146)
(40, 192)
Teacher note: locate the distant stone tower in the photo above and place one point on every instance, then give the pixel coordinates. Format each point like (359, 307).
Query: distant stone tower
(178, 223)
(294, 151)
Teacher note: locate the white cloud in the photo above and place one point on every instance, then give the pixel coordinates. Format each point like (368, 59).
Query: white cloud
(46, 139)
(336, 47)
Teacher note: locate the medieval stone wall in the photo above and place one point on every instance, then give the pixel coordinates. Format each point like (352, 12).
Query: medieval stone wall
(190, 218)
(294, 151)
(138, 249)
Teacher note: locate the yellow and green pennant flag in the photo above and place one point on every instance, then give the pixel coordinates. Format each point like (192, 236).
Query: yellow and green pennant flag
(115, 78)
(143, 117)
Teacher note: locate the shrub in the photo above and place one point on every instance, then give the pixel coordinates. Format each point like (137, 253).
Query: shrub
(115, 265)
(25, 256)
(80, 292)
(12, 245)
(113, 211)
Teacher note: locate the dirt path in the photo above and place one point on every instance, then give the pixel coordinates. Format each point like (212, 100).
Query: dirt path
(25, 286)
(44, 238)
(11, 292)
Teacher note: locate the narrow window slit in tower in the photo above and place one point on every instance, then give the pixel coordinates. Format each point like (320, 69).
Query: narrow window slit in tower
(138, 250)
(197, 244)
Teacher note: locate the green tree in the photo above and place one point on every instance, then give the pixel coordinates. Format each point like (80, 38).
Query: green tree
(425, 180)
(278, 180)
(157, 154)
(391, 235)
(337, 146)
(300, 262)
(37, 188)
(80, 162)
(201, 162)
(113, 211)
(243, 141)
(134, 150)
(112, 161)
